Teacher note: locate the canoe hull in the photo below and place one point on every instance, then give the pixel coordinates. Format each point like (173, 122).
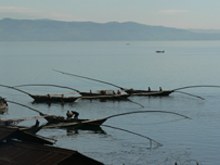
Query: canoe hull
(53, 99)
(149, 93)
(76, 124)
(106, 97)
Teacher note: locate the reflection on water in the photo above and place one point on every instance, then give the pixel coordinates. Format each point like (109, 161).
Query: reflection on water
(132, 66)
(98, 130)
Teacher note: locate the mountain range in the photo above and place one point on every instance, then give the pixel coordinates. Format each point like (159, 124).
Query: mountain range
(52, 30)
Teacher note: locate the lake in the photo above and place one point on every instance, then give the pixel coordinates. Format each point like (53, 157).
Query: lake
(130, 65)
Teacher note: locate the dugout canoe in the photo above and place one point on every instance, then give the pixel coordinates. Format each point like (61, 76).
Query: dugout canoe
(47, 98)
(159, 93)
(56, 98)
(61, 122)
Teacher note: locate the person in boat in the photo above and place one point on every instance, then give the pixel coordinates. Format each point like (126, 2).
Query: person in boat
(37, 123)
(149, 89)
(70, 114)
(160, 89)
(103, 92)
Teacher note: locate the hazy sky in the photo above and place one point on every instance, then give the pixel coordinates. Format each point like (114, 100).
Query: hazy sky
(200, 14)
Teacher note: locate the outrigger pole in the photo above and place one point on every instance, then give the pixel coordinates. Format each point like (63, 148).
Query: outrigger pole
(53, 85)
(84, 77)
(33, 109)
(16, 121)
(134, 133)
(197, 86)
(10, 87)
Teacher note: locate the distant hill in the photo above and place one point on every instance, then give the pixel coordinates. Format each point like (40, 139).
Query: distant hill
(50, 30)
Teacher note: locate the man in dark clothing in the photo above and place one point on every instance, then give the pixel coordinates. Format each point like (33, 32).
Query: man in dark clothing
(70, 114)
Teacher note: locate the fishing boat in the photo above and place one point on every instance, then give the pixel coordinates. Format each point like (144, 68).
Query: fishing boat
(160, 93)
(75, 124)
(48, 98)
(148, 92)
(53, 119)
(160, 51)
(130, 92)
(3, 105)
(59, 122)
(53, 98)
(105, 95)
(124, 94)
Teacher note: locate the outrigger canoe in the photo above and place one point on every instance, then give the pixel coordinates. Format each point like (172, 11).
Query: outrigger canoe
(61, 122)
(57, 98)
(105, 95)
(130, 92)
(137, 92)
(54, 121)
(48, 98)
(160, 93)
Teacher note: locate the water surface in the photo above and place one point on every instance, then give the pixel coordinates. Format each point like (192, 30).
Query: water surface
(133, 65)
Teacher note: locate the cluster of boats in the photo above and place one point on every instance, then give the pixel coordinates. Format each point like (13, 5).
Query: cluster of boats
(103, 95)
(120, 94)
(53, 121)
(70, 122)
(99, 95)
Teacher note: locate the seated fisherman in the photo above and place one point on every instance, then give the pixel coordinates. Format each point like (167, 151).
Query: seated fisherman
(70, 114)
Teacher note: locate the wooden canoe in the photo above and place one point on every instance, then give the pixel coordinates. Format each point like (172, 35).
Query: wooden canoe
(74, 123)
(130, 92)
(53, 98)
(159, 93)
(105, 95)
(53, 119)
(47, 98)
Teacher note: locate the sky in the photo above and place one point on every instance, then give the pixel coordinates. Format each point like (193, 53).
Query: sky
(187, 14)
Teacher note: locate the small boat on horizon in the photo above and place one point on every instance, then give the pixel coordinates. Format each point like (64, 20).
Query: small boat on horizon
(160, 51)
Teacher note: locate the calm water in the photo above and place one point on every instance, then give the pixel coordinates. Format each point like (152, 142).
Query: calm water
(134, 65)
